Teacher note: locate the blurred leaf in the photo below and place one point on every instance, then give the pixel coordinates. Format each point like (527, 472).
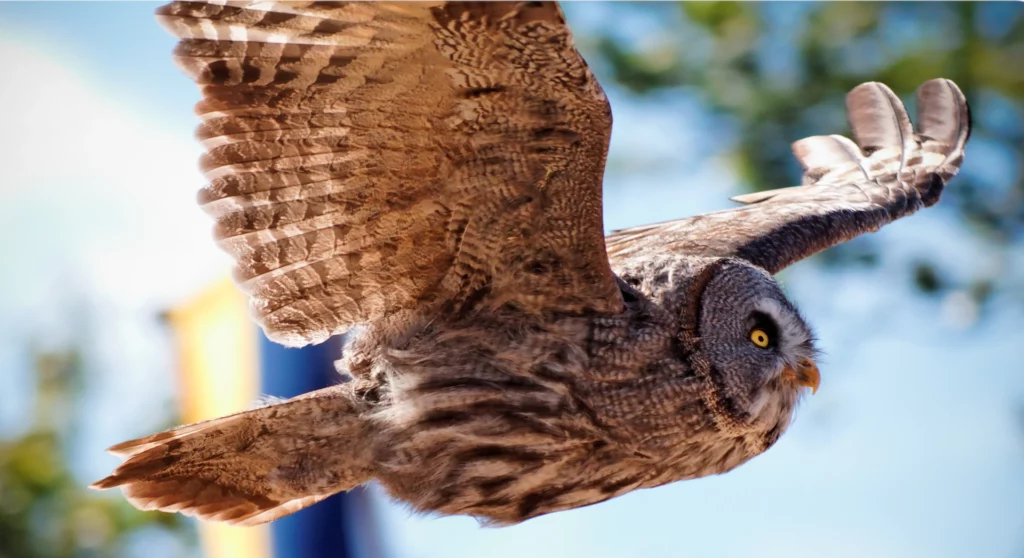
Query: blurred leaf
(926, 278)
(636, 71)
(715, 15)
(45, 512)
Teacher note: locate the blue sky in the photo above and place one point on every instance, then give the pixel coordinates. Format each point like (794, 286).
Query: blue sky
(911, 447)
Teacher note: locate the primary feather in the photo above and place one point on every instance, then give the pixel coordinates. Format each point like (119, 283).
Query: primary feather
(849, 188)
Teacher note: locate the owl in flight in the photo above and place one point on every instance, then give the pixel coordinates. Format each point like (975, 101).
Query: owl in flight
(431, 173)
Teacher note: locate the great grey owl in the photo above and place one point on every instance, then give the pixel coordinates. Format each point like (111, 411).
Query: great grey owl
(431, 173)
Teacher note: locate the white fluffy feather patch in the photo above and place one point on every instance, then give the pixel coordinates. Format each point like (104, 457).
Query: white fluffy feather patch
(795, 337)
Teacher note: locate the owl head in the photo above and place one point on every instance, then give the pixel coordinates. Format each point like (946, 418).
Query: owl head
(760, 349)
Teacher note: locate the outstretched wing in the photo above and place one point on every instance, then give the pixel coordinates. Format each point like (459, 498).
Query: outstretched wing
(849, 189)
(367, 159)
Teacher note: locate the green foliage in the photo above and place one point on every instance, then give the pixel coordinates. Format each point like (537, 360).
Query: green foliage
(776, 72)
(45, 512)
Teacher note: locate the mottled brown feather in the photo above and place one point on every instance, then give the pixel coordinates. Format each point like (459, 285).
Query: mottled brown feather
(250, 467)
(369, 159)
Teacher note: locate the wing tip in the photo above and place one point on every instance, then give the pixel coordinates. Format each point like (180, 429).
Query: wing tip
(138, 445)
(935, 99)
(754, 197)
(878, 118)
(165, 16)
(206, 501)
(106, 483)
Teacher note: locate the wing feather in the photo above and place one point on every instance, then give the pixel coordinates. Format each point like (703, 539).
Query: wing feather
(368, 159)
(849, 188)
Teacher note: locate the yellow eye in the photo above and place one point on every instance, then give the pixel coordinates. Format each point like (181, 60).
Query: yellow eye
(759, 338)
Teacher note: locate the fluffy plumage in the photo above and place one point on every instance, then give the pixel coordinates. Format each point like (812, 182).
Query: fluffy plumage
(371, 158)
(432, 173)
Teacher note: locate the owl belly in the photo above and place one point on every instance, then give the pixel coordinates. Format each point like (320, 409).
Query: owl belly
(504, 483)
(492, 424)
(509, 428)
(507, 463)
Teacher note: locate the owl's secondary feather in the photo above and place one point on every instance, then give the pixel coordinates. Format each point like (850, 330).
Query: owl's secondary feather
(372, 158)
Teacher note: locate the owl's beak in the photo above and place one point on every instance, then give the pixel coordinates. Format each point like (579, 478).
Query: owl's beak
(805, 374)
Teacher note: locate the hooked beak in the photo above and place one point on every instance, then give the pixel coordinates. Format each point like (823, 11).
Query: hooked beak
(805, 374)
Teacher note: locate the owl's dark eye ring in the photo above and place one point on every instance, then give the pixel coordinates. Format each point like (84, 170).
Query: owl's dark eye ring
(763, 333)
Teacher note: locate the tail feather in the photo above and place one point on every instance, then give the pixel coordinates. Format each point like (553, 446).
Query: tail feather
(251, 467)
